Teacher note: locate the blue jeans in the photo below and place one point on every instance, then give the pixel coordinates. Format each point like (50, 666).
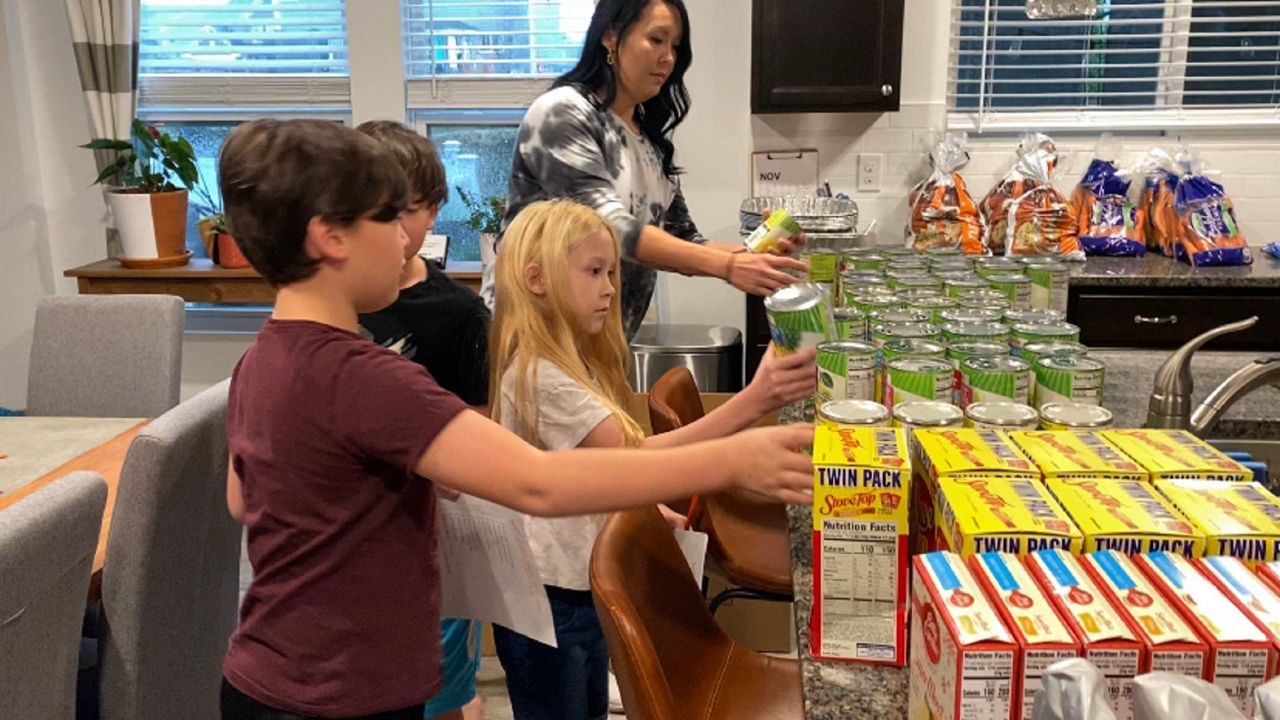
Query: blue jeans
(569, 682)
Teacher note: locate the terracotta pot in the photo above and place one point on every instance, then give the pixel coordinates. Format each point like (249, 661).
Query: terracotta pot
(229, 255)
(208, 234)
(152, 226)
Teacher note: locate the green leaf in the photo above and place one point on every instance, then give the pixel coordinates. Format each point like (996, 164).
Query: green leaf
(107, 144)
(107, 173)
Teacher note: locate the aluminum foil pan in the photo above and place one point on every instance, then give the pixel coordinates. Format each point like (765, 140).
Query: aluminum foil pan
(814, 214)
(837, 240)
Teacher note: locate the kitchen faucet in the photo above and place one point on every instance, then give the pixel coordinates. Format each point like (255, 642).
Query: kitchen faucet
(1170, 404)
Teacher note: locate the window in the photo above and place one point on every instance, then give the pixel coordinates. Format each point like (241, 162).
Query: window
(1136, 63)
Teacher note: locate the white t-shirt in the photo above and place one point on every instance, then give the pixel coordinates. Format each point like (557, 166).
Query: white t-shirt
(567, 413)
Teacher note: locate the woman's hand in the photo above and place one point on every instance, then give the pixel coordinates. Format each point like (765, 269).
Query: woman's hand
(789, 246)
(782, 379)
(673, 518)
(762, 274)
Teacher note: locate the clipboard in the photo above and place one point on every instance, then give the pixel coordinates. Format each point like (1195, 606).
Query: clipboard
(784, 172)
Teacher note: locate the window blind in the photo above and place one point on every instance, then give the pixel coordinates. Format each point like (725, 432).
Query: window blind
(1136, 62)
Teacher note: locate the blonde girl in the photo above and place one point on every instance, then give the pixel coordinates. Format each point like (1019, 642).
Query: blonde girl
(558, 364)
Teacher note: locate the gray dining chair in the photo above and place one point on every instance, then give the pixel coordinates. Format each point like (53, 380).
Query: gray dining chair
(106, 355)
(170, 578)
(47, 542)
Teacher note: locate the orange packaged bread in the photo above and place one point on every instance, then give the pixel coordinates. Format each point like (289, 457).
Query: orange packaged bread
(943, 213)
(1025, 214)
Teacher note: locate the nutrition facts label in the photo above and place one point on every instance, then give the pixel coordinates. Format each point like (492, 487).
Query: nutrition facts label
(859, 588)
(1238, 672)
(860, 384)
(1180, 663)
(1119, 667)
(1035, 662)
(985, 687)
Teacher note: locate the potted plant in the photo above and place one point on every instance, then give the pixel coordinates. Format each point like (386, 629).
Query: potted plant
(147, 193)
(485, 217)
(224, 251)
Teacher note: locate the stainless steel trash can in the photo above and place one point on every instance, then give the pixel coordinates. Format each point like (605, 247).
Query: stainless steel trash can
(713, 354)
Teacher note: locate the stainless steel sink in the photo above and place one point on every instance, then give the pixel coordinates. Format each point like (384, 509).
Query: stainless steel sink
(1264, 451)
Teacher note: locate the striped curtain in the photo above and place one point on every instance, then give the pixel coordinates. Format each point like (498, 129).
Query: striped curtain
(105, 37)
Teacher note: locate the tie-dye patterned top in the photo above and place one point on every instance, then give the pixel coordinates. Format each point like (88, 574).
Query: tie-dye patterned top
(569, 146)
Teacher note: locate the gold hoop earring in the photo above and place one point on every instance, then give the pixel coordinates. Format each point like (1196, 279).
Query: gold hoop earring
(608, 56)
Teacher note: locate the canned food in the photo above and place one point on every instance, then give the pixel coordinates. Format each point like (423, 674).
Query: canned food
(909, 263)
(920, 282)
(925, 415)
(1033, 351)
(895, 277)
(898, 315)
(846, 371)
(911, 294)
(1074, 416)
(1023, 333)
(849, 255)
(956, 286)
(932, 304)
(857, 284)
(983, 294)
(823, 265)
(988, 379)
(1001, 416)
(899, 251)
(943, 252)
(884, 332)
(975, 332)
(1048, 285)
(916, 380)
(868, 261)
(1017, 288)
(1034, 317)
(999, 304)
(957, 268)
(864, 413)
(967, 315)
(799, 317)
(775, 229)
(851, 324)
(895, 349)
(869, 302)
(996, 265)
(960, 351)
(1069, 378)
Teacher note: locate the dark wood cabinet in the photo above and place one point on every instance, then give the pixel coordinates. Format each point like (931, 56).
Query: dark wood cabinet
(826, 55)
(1167, 317)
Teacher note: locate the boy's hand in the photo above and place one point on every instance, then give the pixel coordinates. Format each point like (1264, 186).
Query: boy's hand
(772, 462)
(783, 379)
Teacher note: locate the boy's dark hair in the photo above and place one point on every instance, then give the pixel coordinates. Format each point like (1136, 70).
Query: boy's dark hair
(275, 175)
(417, 157)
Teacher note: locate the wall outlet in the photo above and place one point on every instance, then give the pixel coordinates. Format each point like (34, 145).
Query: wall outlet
(870, 167)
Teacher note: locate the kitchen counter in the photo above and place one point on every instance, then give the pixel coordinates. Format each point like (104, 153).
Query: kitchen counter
(848, 691)
(1152, 270)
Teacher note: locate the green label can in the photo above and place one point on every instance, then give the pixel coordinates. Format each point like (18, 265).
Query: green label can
(1034, 316)
(1074, 416)
(955, 287)
(899, 251)
(966, 315)
(989, 379)
(943, 252)
(799, 317)
(1024, 333)
(917, 380)
(957, 352)
(846, 371)
(975, 332)
(1000, 416)
(1069, 379)
(895, 349)
(884, 332)
(849, 255)
(779, 226)
(895, 277)
(920, 282)
(1048, 286)
(1016, 288)
(822, 266)
(932, 304)
(866, 261)
(856, 413)
(996, 265)
(1033, 351)
(898, 315)
(870, 302)
(851, 324)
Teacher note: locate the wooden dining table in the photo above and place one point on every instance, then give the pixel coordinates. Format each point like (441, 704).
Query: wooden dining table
(35, 451)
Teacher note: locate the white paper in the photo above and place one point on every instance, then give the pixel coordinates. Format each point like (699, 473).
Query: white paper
(435, 247)
(783, 173)
(487, 571)
(694, 546)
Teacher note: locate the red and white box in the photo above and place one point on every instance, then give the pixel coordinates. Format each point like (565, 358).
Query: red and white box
(1239, 652)
(1170, 645)
(1250, 593)
(1108, 641)
(1043, 638)
(963, 658)
(1270, 572)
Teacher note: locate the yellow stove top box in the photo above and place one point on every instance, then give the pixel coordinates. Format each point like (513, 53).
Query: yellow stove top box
(954, 452)
(1126, 517)
(1237, 519)
(995, 514)
(1071, 454)
(1176, 455)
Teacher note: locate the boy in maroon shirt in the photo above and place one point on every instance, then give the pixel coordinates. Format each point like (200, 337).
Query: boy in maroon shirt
(336, 441)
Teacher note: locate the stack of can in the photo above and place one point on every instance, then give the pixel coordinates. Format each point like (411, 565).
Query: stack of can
(986, 336)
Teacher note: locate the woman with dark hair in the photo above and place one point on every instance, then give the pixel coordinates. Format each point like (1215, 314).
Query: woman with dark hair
(602, 136)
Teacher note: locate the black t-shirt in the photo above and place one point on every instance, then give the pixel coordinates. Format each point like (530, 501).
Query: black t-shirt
(443, 326)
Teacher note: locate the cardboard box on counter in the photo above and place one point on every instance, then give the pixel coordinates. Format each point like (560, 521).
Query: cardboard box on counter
(1127, 517)
(1250, 593)
(963, 658)
(1240, 655)
(1176, 455)
(1043, 638)
(1235, 518)
(1079, 455)
(1015, 515)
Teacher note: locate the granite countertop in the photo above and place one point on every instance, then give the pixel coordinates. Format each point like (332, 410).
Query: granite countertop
(850, 691)
(1158, 271)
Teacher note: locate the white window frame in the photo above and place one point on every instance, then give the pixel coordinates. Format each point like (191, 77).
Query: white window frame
(1172, 117)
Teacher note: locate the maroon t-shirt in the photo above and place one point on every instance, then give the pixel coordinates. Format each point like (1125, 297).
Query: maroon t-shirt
(343, 616)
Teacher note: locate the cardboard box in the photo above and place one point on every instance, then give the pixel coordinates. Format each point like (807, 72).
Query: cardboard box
(956, 452)
(1069, 454)
(1108, 641)
(1251, 594)
(1233, 517)
(1239, 652)
(962, 655)
(1270, 573)
(1016, 515)
(861, 485)
(1176, 455)
(1169, 643)
(1043, 638)
(1127, 517)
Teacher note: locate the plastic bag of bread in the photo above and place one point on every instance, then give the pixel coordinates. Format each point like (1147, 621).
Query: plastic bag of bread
(1205, 222)
(1107, 220)
(1037, 219)
(943, 213)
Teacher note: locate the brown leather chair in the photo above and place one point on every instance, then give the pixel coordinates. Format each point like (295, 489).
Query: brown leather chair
(672, 661)
(748, 538)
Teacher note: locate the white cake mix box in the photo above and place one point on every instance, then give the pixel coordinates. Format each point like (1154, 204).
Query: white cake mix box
(1239, 653)
(963, 658)
(1250, 593)
(1043, 638)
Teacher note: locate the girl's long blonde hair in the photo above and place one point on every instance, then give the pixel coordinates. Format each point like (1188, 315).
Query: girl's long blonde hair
(528, 327)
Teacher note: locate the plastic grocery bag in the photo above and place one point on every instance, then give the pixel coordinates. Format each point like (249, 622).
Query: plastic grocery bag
(1266, 701)
(943, 213)
(1107, 220)
(1155, 209)
(1072, 690)
(1164, 696)
(1025, 214)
